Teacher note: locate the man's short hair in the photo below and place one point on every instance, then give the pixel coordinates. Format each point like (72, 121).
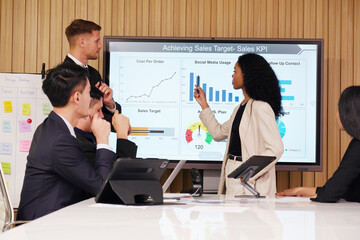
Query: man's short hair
(80, 26)
(62, 81)
(96, 95)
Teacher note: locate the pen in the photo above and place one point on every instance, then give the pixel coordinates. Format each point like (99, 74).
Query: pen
(197, 83)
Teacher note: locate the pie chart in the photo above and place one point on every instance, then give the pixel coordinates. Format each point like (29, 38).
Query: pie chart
(282, 128)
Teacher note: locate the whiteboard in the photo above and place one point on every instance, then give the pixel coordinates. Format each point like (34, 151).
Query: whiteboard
(23, 106)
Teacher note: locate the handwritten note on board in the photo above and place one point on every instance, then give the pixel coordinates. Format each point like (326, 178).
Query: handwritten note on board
(46, 108)
(8, 107)
(6, 126)
(24, 145)
(5, 148)
(6, 166)
(26, 109)
(24, 126)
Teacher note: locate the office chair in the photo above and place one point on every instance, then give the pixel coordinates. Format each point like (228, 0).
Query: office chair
(6, 205)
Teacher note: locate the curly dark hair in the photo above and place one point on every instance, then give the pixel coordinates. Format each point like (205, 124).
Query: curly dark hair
(260, 81)
(349, 110)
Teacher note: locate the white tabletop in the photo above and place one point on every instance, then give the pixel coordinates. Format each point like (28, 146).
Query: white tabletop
(208, 217)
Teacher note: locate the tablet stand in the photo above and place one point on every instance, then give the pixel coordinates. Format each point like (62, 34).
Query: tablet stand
(245, 176)
(250, 168)
(137, 191)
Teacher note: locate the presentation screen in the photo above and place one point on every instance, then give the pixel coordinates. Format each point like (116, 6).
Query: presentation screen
(153, 79)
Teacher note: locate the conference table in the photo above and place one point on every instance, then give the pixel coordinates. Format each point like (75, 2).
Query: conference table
(206, 217)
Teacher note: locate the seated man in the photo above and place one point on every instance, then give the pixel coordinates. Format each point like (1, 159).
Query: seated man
(86, 138)
(57, 173)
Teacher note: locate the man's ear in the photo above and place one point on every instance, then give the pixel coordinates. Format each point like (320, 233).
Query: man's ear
(82, 41)
(76, 97)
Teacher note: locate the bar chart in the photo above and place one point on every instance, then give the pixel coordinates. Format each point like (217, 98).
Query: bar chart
(283, 90)
(212, 94)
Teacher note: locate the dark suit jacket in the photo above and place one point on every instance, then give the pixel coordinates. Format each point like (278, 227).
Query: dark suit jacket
(57, 173)
(345, 182)
(87, 143)
(94, 77)
(124, 147)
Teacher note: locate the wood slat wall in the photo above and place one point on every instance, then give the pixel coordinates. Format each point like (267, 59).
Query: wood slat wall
(32, 32)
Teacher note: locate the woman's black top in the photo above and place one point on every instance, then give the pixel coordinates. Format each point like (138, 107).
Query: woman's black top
(235, 142)
(345, 182)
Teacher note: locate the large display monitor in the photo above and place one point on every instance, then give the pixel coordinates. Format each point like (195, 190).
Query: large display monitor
(153, 79)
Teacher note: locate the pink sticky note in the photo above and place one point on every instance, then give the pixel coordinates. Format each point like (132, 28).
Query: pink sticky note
(24, 145)
(24, 126)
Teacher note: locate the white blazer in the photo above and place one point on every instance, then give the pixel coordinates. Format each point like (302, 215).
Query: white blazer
(259, 135)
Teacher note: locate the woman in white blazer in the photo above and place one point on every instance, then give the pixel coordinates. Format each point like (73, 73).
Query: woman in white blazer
(252, 128)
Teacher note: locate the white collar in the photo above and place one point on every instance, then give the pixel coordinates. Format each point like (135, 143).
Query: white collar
(71, 129)
(77, 61)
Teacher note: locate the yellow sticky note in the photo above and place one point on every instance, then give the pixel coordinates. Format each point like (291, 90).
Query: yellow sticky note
(8, 106)
(6, 166)
(26, 109)
(46, 108)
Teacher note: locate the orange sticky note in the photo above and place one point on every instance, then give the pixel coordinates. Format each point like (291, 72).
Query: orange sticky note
(26, 109)
(8, 106)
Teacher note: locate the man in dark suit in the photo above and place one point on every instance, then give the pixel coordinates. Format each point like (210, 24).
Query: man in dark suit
(86, 138)
(57, 173)
(84, 41)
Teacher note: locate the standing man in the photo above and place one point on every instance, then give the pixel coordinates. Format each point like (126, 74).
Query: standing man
(57, 173)
(84, 40)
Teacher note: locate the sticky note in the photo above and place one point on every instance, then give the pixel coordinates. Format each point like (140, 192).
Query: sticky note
(24, 145)
(7, 184)
(26, 109)
(6, 166)
(6, 126)
(5, 148)
(24, 126)
(8, 106)
(46, 108)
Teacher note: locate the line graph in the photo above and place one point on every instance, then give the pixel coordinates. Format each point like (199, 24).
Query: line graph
(152, 88)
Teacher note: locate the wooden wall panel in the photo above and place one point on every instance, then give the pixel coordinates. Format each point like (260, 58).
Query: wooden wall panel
(130, 17)
(43, 33)
(105, 23)
(30, 37)
(272, 19)
(244, 18)
(155, 18)
(356, 45)
(118, 22)
(6, 37)
(333, 81)
(347, 58)
(68, 15)
(93, 14)
(57, 33)
(180, 18)
(32, 32)
(81, 7)
(167, 18)
(18, 36)
(322, 19)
